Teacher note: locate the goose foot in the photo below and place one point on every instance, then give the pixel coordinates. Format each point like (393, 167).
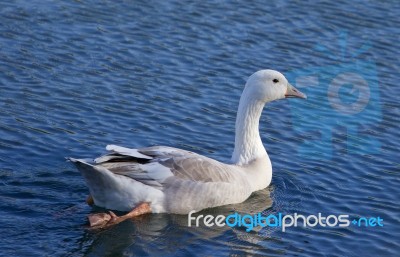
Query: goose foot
(104, 220)
(89, 200)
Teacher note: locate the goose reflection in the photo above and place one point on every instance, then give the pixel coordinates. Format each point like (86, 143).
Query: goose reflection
(160, 234)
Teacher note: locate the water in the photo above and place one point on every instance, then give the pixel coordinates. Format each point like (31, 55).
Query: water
(75, 76)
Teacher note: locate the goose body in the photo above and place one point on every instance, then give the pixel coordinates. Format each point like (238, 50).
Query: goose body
(177, 181)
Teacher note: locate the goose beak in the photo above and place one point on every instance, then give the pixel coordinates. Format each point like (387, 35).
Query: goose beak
(294, 92)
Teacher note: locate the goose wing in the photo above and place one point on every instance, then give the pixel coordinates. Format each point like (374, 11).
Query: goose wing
(154, 165)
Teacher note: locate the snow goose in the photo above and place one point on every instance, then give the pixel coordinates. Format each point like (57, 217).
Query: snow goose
(164, 179)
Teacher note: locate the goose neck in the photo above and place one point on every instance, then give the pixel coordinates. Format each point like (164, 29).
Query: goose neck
(248, 144)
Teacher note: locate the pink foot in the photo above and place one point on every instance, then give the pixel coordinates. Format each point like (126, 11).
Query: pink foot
(103, 220)
(100, 219)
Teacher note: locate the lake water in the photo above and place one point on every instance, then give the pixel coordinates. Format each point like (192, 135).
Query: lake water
(77, 75)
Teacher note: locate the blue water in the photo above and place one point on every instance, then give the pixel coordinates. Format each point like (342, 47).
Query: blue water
(77, 75)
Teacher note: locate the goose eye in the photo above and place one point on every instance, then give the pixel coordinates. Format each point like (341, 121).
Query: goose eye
(275, 80)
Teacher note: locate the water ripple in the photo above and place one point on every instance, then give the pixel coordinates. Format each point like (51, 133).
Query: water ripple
(76, 76)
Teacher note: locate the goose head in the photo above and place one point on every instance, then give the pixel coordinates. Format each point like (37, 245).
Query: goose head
(270, 85)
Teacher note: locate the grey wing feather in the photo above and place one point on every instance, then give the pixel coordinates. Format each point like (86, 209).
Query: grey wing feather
(189, 165)
(199, 168)
(152, 165)
(164, 152)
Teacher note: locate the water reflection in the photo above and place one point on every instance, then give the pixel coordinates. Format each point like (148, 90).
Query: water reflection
(163, 233)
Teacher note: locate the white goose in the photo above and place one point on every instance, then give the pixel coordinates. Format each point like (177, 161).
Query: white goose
(165, 179)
